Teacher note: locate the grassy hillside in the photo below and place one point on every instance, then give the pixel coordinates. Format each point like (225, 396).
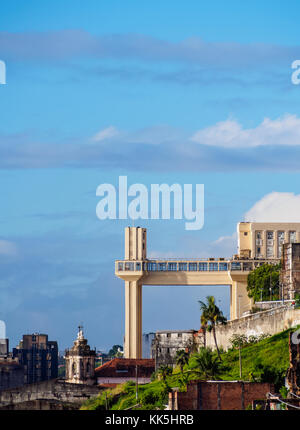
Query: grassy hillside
(265, 361)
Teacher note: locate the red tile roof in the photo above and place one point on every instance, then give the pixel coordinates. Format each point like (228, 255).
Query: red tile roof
(126, 367)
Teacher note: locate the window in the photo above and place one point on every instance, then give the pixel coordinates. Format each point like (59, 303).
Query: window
(183, 267)
(202, 267)
(168, 334)
(179, 334)
(192, 267)
(292, 236)
(152, 267)
(223, 266)
(213, 267)
(129, 266)
(245, 233)
(162, 267)
(235, 266)
(280, 242)
(138, 266)
(172, 267)
(270, 252)
(120, 266)
(270, 235)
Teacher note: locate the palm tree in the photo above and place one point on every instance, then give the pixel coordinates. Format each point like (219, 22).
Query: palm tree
(182, 358)
(207, 363)
(164, 371)
(213, 315)
(204, 325)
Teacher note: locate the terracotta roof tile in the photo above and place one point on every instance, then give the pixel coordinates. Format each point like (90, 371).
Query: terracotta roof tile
(126, 367)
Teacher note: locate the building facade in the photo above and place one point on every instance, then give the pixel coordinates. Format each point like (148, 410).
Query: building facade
(290, 270)
(147, 344)
(39, 356)
(166, 344)
(4, 347)
(11, 373)
(219, 395)
(80, 361)
(265, 240)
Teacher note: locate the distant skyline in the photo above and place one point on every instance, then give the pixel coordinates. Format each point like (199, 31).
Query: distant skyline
(162, 92)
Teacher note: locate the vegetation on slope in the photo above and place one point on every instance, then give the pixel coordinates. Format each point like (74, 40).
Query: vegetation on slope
(264, 361)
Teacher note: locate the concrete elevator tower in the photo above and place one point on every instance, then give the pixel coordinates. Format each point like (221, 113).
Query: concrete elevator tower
(135, 253)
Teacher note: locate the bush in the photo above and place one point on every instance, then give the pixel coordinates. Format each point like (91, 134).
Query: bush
(128, 387)
(155, 396)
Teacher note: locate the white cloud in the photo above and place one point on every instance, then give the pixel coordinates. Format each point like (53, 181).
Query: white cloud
(275, 207)
(230, 134)
(106, 133)
(7, 248)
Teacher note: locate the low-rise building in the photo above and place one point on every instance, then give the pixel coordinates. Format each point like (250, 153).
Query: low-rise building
(166, 344)
(120, 370)
(11, 373)
(147, 344)
(290, 270)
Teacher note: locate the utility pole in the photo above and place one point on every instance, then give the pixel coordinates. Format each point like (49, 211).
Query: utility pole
(136, 382)
(239, 305)
(240, 359)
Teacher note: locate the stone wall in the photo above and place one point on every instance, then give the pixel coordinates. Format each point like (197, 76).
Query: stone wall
(11, 374)
(266, 322)
(55, 389)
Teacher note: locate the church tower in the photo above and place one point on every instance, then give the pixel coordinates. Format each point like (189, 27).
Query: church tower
(80, 361)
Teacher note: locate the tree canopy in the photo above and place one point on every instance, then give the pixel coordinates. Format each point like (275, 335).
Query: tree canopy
(261, 280)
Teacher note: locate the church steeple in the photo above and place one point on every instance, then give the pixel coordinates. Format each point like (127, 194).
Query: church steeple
(80, 361)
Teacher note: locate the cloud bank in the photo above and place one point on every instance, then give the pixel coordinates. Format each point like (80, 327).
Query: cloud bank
(273, 145)
(230, 134)
(63, 45)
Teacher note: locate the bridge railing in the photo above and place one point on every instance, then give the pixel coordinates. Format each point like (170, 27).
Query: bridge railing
(207, 265)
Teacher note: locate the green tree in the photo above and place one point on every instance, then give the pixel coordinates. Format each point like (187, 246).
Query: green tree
(182, 358)
(213, 315)
(206, 363)
(261, 280)
(114, 351)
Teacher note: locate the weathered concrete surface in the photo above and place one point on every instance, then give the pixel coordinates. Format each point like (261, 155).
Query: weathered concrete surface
(267, 322)
(55, 389)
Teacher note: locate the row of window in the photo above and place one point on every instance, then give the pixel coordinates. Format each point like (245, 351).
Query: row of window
(173, 267)
(270, 242)
(188, 267)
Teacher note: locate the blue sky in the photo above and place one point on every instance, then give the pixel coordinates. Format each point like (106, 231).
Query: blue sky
(163, 92)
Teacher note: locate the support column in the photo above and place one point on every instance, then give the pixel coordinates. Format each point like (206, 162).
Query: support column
(133, 320)
(240, 302)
